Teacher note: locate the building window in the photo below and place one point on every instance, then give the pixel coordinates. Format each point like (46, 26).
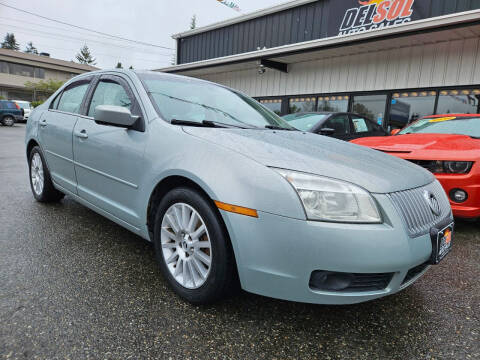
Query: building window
(301, 105)
(371, 106)
(273, 104)
(333, 103)
(39, 73)
(458, 101)
(21, 70)
(410, 106)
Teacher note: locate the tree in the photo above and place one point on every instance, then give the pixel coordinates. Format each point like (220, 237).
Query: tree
(131, 67)
(47, 87)
(85, 57)
(193, 22)
(30, 49)
(10, 42)
(119, 65)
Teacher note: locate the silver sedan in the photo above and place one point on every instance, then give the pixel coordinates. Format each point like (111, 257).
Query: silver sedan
(231, 195)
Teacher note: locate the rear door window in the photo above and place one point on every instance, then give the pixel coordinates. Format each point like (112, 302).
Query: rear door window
(361, 125)
(72, 98)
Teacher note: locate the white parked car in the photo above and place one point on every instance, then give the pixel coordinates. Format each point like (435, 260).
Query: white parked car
(26, 106)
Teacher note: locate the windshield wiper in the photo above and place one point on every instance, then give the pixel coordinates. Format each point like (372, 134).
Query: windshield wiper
(204, 123)
(276, 127)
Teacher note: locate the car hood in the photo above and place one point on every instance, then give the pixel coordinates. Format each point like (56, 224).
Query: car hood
(316, 154)
(426, 146)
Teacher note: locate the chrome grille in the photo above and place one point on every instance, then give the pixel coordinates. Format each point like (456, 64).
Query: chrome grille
(416, 211)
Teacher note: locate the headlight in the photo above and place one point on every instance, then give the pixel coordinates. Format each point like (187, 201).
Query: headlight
(326, 199)
(457, 167)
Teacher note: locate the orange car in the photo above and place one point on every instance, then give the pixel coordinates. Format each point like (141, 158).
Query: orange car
(448, 146)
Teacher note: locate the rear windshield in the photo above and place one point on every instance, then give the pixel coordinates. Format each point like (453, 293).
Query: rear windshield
(469, 126)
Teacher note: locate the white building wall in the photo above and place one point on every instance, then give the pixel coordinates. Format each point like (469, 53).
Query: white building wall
(448, 63)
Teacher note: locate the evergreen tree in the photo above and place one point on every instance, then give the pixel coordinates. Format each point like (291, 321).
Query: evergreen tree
(30, 49)
(119, 65)
(10, 42)
(193, 22)
(85, 57)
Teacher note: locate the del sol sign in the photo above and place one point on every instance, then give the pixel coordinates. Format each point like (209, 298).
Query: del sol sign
(376, 14)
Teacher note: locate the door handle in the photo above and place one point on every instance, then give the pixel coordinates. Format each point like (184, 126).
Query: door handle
(43, 123)
(82, 134)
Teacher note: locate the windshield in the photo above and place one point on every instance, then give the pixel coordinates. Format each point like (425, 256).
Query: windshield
(193, 100)
(304, 122)
(469, 126)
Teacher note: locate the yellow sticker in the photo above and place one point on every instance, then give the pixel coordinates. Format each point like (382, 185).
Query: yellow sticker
(443, 119)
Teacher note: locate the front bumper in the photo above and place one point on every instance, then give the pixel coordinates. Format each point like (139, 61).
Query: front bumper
(276, 255)
(469, 183)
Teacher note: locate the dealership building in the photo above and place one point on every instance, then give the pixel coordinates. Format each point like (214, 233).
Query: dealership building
(390, 60)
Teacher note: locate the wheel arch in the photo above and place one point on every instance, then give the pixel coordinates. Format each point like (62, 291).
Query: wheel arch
(30, 145)
(174, 181)
(163, 187)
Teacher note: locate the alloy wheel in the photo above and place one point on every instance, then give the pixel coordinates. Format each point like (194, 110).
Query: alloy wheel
(186, 245)
(36, 173)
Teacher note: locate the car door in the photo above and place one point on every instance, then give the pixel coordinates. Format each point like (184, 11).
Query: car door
(55, 133)
(363, 127)
(340, 123)
(109, 160)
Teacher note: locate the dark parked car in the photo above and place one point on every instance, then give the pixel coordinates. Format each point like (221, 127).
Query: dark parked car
(10, 112)
(344, 126)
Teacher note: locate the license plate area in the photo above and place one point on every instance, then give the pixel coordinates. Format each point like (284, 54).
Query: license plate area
(441, 243)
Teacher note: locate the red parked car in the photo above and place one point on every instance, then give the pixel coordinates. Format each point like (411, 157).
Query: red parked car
(448, 146)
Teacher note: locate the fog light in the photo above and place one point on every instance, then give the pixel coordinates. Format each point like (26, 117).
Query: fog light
(330, 281)
(458, 195)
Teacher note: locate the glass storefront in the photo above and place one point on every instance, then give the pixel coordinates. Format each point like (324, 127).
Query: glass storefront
(458, 101)
(333, 103)
(370, 106)
(404, 107)
(407, 107)
(273, 104)
(301, 105)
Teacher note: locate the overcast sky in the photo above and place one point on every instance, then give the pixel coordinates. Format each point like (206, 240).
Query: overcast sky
(150, 21)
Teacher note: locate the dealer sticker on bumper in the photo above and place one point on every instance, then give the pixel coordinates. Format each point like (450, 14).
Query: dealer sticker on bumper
(441, 244)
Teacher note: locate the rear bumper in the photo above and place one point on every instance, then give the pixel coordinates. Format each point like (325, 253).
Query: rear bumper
(469, 183)
(276, 256)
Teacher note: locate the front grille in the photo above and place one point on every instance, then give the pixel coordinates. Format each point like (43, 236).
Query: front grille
(415, 209)
(369, 282)
(414, 272)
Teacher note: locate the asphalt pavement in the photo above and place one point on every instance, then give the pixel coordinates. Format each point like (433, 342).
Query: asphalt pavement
(74, 285)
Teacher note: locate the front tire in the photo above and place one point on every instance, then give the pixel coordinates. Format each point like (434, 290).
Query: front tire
(40, 180)
(192, 247)
(8, 121)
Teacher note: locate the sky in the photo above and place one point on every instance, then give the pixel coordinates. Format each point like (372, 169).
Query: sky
(148, 21)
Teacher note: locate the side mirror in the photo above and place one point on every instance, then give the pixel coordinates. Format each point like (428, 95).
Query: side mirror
(115, 116)
(395, 131)
(327, 131)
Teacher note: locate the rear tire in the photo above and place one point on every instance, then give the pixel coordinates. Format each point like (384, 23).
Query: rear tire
(197, 262)
(8, 121)
(40, 180)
